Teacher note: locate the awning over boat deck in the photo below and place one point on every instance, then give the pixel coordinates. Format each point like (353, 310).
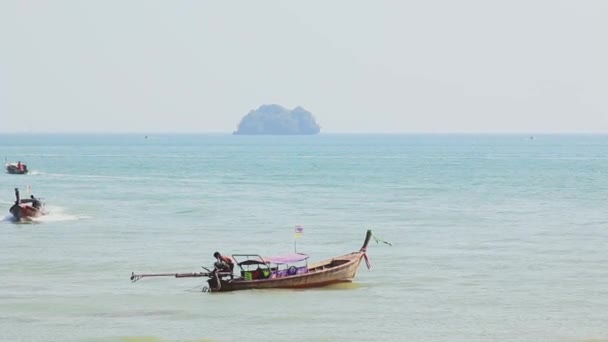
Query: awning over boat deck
(286, 258)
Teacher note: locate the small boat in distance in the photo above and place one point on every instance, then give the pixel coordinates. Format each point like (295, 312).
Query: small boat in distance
(17, 168)
(26, 209)
(279, 271)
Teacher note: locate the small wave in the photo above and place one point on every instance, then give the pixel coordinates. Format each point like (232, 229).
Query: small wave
(108, 177)
(126, 178)
(155, 339)
(186, 211)
(65, 175)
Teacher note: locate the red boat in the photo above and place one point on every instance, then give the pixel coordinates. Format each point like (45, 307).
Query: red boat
(26, 209)
(16, 168)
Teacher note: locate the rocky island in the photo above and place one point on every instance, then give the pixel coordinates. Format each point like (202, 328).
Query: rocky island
(277, 120)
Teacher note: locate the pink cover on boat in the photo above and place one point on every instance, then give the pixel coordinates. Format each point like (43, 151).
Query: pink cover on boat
(286, 258)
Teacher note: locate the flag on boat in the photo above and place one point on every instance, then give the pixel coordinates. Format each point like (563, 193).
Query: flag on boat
(298, 231)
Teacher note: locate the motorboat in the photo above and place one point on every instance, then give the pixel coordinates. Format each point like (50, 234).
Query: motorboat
(16, 168)
(284, 271)
(26, 209)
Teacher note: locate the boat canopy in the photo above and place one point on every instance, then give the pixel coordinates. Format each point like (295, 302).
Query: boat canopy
(286, 258)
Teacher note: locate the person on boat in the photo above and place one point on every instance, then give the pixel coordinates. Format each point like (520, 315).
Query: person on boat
(35, 202)
(19, 166)
(17, 197)
(223, 263)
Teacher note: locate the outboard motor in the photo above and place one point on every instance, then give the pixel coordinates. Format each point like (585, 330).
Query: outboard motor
(214, 283)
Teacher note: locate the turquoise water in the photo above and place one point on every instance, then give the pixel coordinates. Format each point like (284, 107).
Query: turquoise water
(495, 238)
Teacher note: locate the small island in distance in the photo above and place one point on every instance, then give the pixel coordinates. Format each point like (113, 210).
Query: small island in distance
(277, 120)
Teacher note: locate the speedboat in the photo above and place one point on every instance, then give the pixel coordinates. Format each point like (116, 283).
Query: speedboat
(26, 209)
(16, 168)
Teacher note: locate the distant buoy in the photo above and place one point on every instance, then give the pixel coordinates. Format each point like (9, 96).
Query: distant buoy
(146, 137)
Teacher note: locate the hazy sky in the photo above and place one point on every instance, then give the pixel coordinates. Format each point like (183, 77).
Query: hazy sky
(358, 66)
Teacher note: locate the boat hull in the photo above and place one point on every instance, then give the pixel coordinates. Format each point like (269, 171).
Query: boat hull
(331, 271)
(338, 269)
(23, 212)
(13, 169)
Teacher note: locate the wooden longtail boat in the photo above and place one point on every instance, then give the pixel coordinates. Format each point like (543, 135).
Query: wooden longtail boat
(16, 168)
(26, 209)
(280, 271)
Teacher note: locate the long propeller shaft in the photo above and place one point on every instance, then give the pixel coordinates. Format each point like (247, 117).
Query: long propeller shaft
(136, 277)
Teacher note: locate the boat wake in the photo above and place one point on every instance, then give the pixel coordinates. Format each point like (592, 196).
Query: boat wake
(53, 214)
(102, 177)
(7, 218)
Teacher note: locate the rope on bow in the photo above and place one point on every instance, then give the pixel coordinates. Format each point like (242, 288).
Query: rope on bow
(378, 240)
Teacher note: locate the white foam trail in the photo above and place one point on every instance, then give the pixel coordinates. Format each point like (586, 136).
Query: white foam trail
(7, 218)
(55, 214)
(49, 217)
(55, 218)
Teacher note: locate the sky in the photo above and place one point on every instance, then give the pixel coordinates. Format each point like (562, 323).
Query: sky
(359, 66)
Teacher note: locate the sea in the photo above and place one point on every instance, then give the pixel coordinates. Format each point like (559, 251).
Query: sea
(488, 237)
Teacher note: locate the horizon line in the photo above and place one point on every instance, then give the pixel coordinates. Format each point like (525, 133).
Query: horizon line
(321, 133)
